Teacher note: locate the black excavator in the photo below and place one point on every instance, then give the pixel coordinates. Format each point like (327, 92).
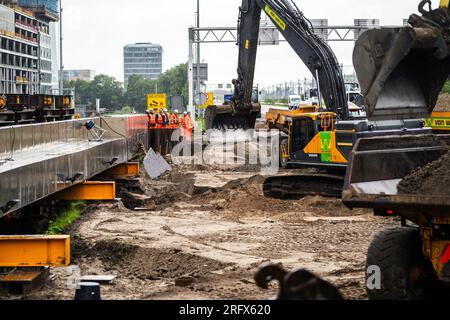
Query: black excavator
(241, 112)
(322, 139)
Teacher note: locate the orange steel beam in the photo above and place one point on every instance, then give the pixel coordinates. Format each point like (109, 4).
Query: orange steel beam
(130, 169)
(89, 190)
(34, 251)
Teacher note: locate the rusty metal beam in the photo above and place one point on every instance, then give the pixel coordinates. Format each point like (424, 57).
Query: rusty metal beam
(89, 190)
(129, 169)
(34, 251)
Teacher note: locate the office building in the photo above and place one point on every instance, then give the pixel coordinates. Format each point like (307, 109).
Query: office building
(27, 56)
(144, 59)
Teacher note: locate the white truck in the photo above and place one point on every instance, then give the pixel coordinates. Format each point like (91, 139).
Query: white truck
(294, 102)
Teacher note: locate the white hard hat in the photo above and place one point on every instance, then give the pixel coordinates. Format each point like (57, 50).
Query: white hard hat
(175, 111)
(185, 112)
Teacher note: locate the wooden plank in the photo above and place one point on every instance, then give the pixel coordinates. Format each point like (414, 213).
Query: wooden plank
(97, 278)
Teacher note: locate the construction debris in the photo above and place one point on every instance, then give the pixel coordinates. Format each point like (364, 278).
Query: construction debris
(155, 164)
(98, 278)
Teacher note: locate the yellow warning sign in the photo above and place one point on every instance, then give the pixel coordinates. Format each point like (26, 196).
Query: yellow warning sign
(157, 101)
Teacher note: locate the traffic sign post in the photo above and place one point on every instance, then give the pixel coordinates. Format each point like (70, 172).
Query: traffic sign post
(157, 101)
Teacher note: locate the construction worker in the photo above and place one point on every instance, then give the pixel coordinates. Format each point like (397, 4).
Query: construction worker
(151, 119)
(159, 119)
(183, 123)
(189, 125)
(174, 120)
(166, 119)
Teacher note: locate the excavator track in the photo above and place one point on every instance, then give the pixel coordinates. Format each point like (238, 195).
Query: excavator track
(299, 186)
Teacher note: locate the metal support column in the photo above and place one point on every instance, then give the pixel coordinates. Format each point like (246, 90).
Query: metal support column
(61, 71)
(191, 107)
(198, 52)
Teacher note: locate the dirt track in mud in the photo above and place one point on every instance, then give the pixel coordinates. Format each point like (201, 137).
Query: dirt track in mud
(215, 226)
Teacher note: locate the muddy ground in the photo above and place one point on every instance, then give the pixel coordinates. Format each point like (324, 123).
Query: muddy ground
(214, 225)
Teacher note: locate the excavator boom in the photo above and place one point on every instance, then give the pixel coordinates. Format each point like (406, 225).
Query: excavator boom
(242, 112)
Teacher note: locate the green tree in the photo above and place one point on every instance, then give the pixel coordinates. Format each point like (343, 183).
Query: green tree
(174, 81)
(137, 91)
(446, 88)
(109, 91)
(103, 87)
(83, 94)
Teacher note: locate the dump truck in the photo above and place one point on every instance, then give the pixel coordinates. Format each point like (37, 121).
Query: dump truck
(402, 72)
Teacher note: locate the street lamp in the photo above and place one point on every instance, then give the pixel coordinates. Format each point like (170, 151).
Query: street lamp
(61, 66)
(198, 50)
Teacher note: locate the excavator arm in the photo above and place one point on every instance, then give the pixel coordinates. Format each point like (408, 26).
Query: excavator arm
(312, 50)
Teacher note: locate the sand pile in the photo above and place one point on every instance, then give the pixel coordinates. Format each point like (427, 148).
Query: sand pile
(443, 103)
(432, 179)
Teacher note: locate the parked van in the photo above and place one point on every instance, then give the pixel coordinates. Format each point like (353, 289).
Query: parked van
(294, 102)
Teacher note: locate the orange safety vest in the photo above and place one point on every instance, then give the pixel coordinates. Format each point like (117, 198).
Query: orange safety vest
(183, 121)
(151, 121)
(174, 120)
(189, 124)
(160, 121)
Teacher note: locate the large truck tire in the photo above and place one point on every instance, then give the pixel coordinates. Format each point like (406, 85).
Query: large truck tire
(405, 273)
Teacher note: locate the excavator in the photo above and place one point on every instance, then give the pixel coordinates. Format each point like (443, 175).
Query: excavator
(402, 72)
(320, 137)
(242, 112)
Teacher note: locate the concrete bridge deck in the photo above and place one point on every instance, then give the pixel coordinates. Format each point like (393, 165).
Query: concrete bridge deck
(39, 160)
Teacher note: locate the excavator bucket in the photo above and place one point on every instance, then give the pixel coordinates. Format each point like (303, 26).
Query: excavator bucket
(225, 118)
(378, 165)
(401, 70)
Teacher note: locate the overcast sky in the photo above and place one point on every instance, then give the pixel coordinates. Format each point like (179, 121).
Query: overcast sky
(96, 31)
